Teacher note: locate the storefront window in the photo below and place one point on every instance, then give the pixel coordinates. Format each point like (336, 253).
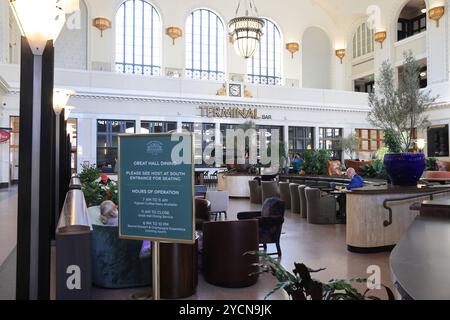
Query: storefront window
(107, 142)
(204, 135)
(14, 123)
(300, 139)
(158, 127)
(329, 139)
(72, 128)
(370, 140)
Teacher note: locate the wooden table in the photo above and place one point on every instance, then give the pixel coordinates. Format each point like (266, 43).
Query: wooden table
(436, 208)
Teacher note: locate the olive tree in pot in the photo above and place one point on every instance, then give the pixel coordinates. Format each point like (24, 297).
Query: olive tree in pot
(400, 111)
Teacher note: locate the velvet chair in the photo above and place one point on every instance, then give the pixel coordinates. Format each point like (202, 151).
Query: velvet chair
(202, 214)
(295, 200)
(285, 194)
(116, 263)
(269, 190)
(224, 245)
(271, 219)
(321, 210)
(255, 192)
(303, 204)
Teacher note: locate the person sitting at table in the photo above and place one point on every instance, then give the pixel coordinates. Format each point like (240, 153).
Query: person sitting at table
(357, 181)
(297, 163)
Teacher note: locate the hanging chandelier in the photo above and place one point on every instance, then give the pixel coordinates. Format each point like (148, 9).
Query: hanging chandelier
(246, 30)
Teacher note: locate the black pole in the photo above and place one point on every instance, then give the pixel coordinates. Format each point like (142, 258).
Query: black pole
(35, 195)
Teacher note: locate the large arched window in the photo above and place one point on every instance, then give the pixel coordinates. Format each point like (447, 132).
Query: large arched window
(265, 66)
(363, 41)
(138, 38)
(205, 46)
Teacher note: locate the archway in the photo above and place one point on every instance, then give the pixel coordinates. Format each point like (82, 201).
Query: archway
(412, 19)
(317, 54)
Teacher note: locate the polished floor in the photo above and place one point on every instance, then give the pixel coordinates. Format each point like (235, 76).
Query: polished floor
(316, 246)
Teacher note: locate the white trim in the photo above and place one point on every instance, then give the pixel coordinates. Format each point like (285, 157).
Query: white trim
(413, 38)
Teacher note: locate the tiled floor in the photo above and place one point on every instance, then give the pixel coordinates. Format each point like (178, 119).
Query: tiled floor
(8, 222)
(316, 246)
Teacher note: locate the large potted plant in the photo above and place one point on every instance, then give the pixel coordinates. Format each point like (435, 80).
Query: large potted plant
(400, 110)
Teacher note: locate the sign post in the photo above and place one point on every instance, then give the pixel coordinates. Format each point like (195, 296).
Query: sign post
(156, 191)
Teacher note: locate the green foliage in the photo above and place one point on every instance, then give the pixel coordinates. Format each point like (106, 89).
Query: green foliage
(375, 170)
(300, 286)
(89, 174)
(431, 164)
(381, 153)
(391, 141)
(94, 192)
(316, 162)
(400, 109)
(350, 144)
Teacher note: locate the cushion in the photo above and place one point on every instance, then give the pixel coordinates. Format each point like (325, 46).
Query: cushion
(273, 207)
(443, 165)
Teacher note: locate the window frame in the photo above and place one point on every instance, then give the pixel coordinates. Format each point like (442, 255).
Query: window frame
(256, 78)
(191, 71)
(155, 68)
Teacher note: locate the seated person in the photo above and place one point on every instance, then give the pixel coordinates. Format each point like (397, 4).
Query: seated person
(297, 163)
(104, 179)
(357, 181)
(109, 215)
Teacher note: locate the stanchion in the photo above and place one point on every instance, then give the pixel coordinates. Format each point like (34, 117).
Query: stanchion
(155, 293)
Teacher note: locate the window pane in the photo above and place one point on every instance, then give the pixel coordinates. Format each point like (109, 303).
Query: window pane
(138, 38)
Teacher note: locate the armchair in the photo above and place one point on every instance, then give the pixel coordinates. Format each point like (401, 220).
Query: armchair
(202, 214)
(270, 219)
(321, 210)
(334, 168)
(255, 192)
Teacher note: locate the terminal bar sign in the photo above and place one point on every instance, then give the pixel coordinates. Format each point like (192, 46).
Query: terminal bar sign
(156, 187)
(234, 112)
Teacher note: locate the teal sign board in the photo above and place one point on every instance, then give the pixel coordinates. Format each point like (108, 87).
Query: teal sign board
(156, 187)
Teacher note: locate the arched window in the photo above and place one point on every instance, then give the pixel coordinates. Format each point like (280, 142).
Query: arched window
(265, 66)
(363, 41)
(412, 19)
(205, 46)
(138, 38)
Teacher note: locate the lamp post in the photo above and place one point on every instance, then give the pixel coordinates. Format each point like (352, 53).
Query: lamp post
(40, 23)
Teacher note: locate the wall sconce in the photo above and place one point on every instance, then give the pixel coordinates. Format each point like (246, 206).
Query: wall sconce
(292, 47)
(436, 14)
(380, 36)
(340, 53)
(174, 33)
(101, 24)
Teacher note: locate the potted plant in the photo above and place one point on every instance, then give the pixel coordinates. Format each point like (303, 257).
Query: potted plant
(299, 284)
(350, 145)
(315, 162)
(400, 111)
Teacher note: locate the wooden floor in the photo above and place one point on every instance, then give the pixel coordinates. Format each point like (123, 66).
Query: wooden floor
(316, 246)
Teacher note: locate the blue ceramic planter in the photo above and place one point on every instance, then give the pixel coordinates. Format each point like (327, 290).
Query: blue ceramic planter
(404, 169)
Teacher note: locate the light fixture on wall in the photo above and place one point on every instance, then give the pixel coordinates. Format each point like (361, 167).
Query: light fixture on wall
(174, 33)
(246, 30)
(380, 36)
(436, 14)
(292, 47)
(102, 24)
(340, 53)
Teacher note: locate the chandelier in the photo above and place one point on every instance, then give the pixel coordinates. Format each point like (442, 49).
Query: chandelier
(246, 30)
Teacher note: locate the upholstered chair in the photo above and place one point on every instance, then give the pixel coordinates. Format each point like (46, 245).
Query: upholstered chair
(202, 214)
(271, 219)
(295, 200)
(219, 202)
(255, 192)
(334, 168)
(224, 246)
(269, 190)
(321, 210)
(303, 204)
(285, 194)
